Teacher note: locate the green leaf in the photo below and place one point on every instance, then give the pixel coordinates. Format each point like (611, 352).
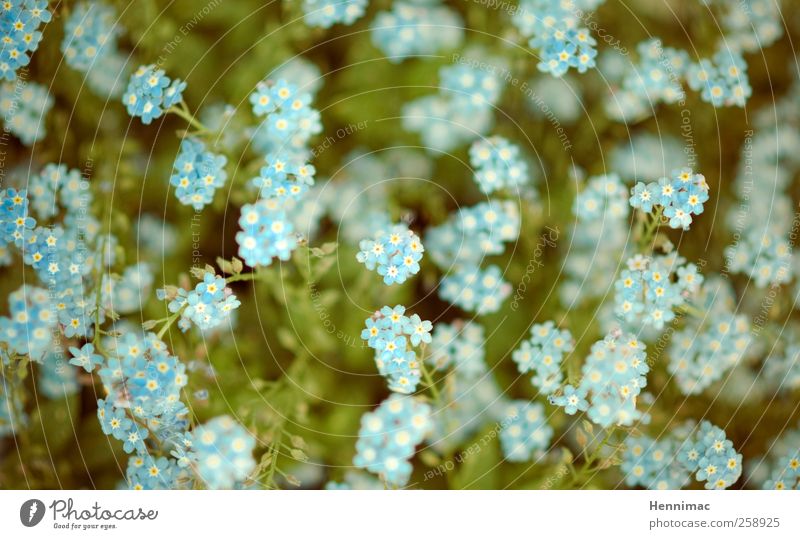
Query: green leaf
(287, 339)
(298, 441)
(225, 266)
(329, 247)
(149, 324)
(325, 250)
(198, 272)
(298, 454)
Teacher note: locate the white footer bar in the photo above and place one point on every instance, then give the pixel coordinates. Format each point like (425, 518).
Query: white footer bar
(400, 514)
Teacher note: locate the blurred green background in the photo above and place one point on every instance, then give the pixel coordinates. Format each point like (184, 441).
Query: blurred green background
(281, 372)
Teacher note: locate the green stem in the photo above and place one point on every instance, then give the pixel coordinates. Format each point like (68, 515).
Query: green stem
(591, 458)
(252, 276)
(184, 113)
(170, 321)
(16, 393)
(652, 227)
(691, 310)
(98, 297)
(154, 438)
(426, 375)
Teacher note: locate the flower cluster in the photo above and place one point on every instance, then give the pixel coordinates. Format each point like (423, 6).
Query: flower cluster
(461, 111)
(763, 253)
(525, 434)
(787, 476)
(779, 468)
(711, 457)
(472, 399)
(289, 118)
(282, 179)
(599, 237)
(126, 293)
(556, 99)
(393, 335)
(481, 291)
(90, 46)
(289, 121)
(650, 289)
(388, 436)
(19, 27)
(782, 367)
(706, 348)
(144, 378)
(57, 185)
(301, 72)
(266, 233)
(222, 451)
(416, 29)
(40, 250)
(148, 472)
(764, 219)
(143, 383)
(29, 328)
(55, 379)
(354, 480)
(359, 202)
(441, 125)
(15, 219)
(38, 247)
(750, 26)
(543, 354)
(63, 254)
(721, 81)
(497, 164)
(23, 109)
(679, 197)
(469, 88)
(395, 252)
(460, 245)
(208, 305)
(602, 198)
(652, 464)
(473, 233)
(657, 78)
(90, 34)
(552, 29)
(646, 155)
(660, 75)
(142, 375)
(326, 13)
(473, 403)
(613, 376)
(197, 173)
(460, 346)
(150, 93)
(85, 357)
(763, 222)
